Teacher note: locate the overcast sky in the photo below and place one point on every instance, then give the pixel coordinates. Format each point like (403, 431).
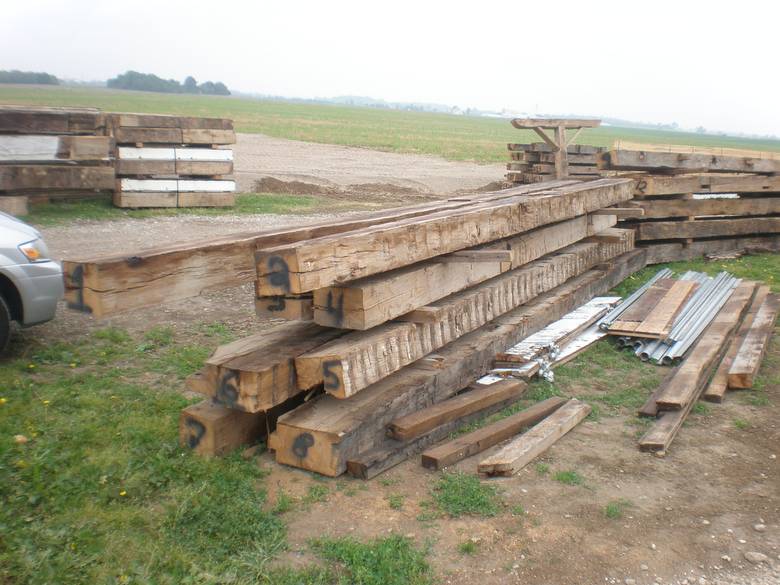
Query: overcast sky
(711, 63)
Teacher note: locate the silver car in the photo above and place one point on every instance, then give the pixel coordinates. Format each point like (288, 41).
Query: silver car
(30, 282)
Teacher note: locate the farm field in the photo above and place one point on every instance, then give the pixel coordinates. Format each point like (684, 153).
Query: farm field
(481, 140)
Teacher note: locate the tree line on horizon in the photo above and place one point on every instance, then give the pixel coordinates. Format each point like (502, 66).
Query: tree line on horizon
(131, 80)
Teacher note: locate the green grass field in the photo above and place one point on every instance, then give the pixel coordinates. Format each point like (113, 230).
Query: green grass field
(453, 137)
(94, 487)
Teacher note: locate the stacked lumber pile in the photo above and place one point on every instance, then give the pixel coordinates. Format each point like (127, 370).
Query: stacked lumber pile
(696, 203)
(404, 314)
(535, 162)
(52, 153)
(727, 355)
(172, 161)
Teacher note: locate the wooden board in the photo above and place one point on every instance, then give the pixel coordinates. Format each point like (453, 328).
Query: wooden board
(322, 435)
(637, 159)
(747, 361)
(719, 383)
(365, 303)
(658, 253)
(543, 147)
(475, 399)
(525, 448)
(707, 228)
(555, 122)
(389, 452)
(110, 283)
(652, 185)
(210, 429)
(257, 373)
(360, 358)
(167, 121)
(48, 120)
(15, 149)
(14, 205)
(207, 136)
(665, 208)
(656, 321)
(477, 441)
(703, 358)
(175, 185)
(172, 167)
(21, 178)
(314, 264)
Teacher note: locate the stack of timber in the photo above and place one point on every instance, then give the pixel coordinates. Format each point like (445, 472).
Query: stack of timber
(172, 161)
(52, 153)
(395, 317)
(736, 335)
(692, 203)
(535, 162)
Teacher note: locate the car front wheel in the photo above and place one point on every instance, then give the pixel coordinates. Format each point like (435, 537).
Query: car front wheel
(5, 324)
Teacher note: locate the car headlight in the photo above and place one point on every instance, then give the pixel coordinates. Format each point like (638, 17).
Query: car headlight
(34, 251)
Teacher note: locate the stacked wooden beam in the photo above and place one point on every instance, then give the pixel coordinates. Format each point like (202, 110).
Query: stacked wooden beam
(696, 203)
(172, 161)
(535, 162)
(397, 316)
(52, 153)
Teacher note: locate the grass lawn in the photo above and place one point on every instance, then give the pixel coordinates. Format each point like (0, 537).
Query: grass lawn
(95, 489)
(453, 137)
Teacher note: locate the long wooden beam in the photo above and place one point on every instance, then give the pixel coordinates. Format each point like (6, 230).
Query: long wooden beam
(314, 264)
(106, 284)
(673, 252)
(707, 228)
(49, 177)
(643, 160)
(664, 208)
(349, 364)
(365, 303)
(647, 185)
(322, 435)
(525, 123)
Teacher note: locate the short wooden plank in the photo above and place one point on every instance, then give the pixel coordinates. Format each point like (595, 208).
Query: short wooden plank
(707, 228)
(476, 398)
(128, 135)
(210, 429)
(521, 451)
(748, 359)
(145, 200)
(207, 136)
(201, 199)
(477, 441)
(14, 205)
(360, 358)
(695, 370)
(719, 383)
(322, 435)
(180, 185)
(257, 373)
(308, 266)
(173, 167)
